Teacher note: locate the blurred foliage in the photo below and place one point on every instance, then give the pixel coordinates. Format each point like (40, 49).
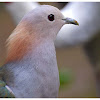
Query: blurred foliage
(66, 77)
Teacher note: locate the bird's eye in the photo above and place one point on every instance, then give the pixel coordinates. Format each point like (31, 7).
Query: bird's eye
(51, 17)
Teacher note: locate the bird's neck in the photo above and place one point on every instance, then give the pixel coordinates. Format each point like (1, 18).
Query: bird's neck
(45, 51)
(39, 52)
(23, 39)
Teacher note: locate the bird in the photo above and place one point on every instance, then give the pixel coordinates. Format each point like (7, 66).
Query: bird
(30, 69)
(84, 35)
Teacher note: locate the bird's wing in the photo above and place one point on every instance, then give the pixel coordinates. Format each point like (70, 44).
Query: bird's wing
(5, 91)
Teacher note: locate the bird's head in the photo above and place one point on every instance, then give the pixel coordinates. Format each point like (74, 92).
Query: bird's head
(46, 20)
(40, 23)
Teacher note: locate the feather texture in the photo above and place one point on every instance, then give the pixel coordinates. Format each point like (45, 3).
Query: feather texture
(19, 42)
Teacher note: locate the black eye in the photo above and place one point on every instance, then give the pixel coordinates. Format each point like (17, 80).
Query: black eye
(51, 17)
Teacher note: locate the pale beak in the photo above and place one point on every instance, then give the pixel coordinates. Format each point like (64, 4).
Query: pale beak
(70, 21)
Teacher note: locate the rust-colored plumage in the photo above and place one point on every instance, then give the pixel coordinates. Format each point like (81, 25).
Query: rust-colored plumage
(18, 42)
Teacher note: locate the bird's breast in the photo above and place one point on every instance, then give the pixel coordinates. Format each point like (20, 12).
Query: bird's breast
(36, 75)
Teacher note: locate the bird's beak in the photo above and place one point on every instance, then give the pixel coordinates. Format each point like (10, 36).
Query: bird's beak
(70, 21)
